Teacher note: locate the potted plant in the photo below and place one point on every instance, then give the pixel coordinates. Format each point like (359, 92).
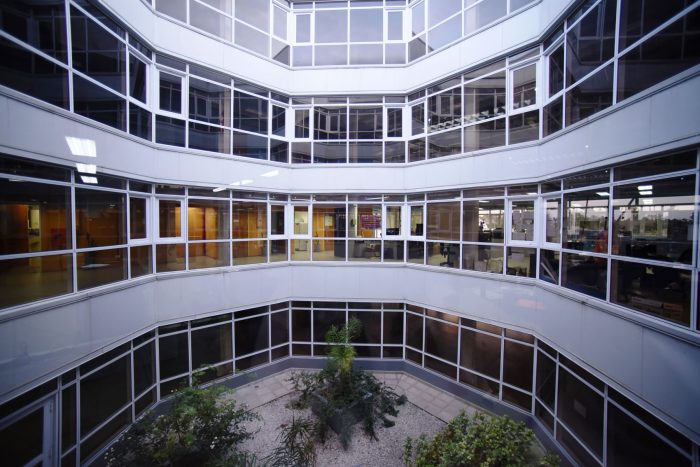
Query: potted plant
(341, 395)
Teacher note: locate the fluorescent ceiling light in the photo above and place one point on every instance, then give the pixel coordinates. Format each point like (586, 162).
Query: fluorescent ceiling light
(81, 146)
(532, 194)
(646, 192)
(90, 180)
(602, 193)
(648, 201)
(645, 187)
(218, 189)
(484, 201)
(86, 168)
(271, 173)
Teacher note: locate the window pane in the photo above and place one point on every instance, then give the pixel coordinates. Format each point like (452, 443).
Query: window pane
(103, 393)
(394, 54)
(331, 26)
(249, 220)
(249, 252)
(556, 70)
(366, 25)
(443, 221)
(417, 220)
(522, 221)
(249, 113)
(251, 335)
(169, 216)
(482, 258)
(207, 220)
(546, 379)
(585, 274)
(144, 367)
(418, 119)
(170, 257)
(210, 21)
(585, 225)
(482, 14)
(101, 267)
(98, 104)
(481, 352)
(330, 123)
(98, 53)
(517, 365)
(170, 131)
(483, 221)
(174, 8)
(209, 102)
(521, 262)
(591, 42)
(301, 123)
(100, 218)
(139, 122)
(590, 97)
(365, 123)
(485, 135)
(28, 279)
(552, 220)
(441, 340)
(36, 217)
(247, 145)
(173, 355)
(395, 25)
(42, 26)
(581, 409)
(549, 266)
(485, 98)
(254, 12)
(525, 87)
(365, 221)
(141, 261)
(524, 127)
(170, 92)
(446, 33)
(211, 345)
(208, 255)
(303, 28)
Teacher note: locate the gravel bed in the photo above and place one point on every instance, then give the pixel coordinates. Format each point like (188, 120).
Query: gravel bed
(385, 452)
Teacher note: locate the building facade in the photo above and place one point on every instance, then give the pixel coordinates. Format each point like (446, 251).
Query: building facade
(504, 192)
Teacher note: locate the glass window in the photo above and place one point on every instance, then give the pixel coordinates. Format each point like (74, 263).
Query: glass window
(660, 291)
(170, 131)
(446, 33)
(301, 220)
(483, 221)
(170, 218)
(280, 23)
(366, 25)
(329, 220)
(481, 352)
(173, 355)
(591, 96)
(330, 123)
(585, 225)
(418, 119)
(549, 266)
(524, 127)
(211, 345)
(485, 135)
(210, 21)
(591, 42)
(96, 103)
(525, 87)
(441, 339)
(393, 220)
(552, 221)
(444, 144)
(332, 152)
(36, 217)
(482, 258)
(553, 117)
(207, 219)
(278, 121)
(482, 14)
(522, 227)
(418, 18)
(485, 98)
(657, 166)
(417, 221)
(585, 274)
(139, 122)
(249, 113)
(170, 88)
(254, 12)
(174, 8)
(303, 28)
(394, 123)
(301, 123)
(209, 102)
(521, 262)
(100, 218)
(42, 26)
(546, 379)
(27, 279)
(331, 26)
(394, 54)
(395, 25)
(365, 123)
(581, 409)
(276, 219)
(445, 110)
(654, 220)
(170, 257)
(141, 263)
(104, 392)
(249, 220)
(138, 78)
(365, 220)
(443, 221)
(101, 267)
(97, 53)
(247, 145)
(556, 70)
(250, 252)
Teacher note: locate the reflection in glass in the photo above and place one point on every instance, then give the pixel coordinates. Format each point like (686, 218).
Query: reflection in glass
(210, 21)
(416, 252)
(170, 131)
(482, 14)
(522, 220)
(141, 261)
(209, 138)
(170, 91)
(278, 250)
(585, 274)
(366, 25)
(330, 123)
(417, 221)
(525, 87)
(482, 258)
(365, 220)
(247, 145)
(585, 225)
(446, 33)
(654, 220)
(481, 352)
(444, 144)
(483, 221)
(27, 279)
(591, 96)
(581, 409)
(331, 26)
(208, 255)
(556, 70)
(521, 262)
(591, 42)
(485, 135)
(250, 38)
(485, 98)
(524, 127)
(659, 291)
(96, 103)
(100, 218)
(443, 254)
(101, 267)
(251, 335)
(104, 392)
(209, 102)
(170, 257)
(249, 112)
(416, 150)
(254, 12)
(549, 266)
(169, 216)
(553, 117)
(443, 221)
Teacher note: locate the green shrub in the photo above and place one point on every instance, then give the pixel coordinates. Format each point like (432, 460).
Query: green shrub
(199, 429)
(297, 445)
(478, 441)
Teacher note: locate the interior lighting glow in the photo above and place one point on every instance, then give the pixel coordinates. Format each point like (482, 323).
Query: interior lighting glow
(81, 146)
(645, 187)
(90, 180)
(646, 192)
(602, 193)
(218, 189)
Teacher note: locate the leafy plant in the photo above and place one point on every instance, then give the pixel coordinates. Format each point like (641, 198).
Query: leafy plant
(481, 440)
(297, 445)
(201, 428)
(342, 390)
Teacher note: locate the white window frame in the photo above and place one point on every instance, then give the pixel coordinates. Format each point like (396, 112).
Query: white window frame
(543, 222)
(183, 220)
(283, 235)
(402, 229)
(509, 222)
(183, 94)
(149, 220)
(510, 92)
(408, 224)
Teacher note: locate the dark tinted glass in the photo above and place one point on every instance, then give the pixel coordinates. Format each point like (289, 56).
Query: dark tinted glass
(581, 409)
(552, 117)
(170, 92)
(210, 103)
(524, 127)
(330, 123)
(630, 443)
(40, 25)
(139, 122)
(144, 367)
(248, 145)
(137, 78)
(97, 53)
(640, 18)
(393, 327)
(394, 151)
(365, 153)
(590, 96)
(251, 335)
(22, 440)
(416, 150)
(330, 153)
(30, 74)
(97, 103)
(478, 382)
(301, 153)
(365, 123)
(173, 355)
(585, 274)
(671, 163)
(279, 328)
(440, 366)
(481, 352)
(209, 138)
(394, 123)
(279, 150)
(517, 365)
(518, 398)
(371, 330)
(102, 436)
(414, 331)
(278, 120)
(170, 131)
(549, 266)
(103, 393)
(546, 379)
(441, 340)
(301, 325)
(591, 42)
(324, 319)
(556, 70)
(670, 51)
(211, 345)
(100, 218)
